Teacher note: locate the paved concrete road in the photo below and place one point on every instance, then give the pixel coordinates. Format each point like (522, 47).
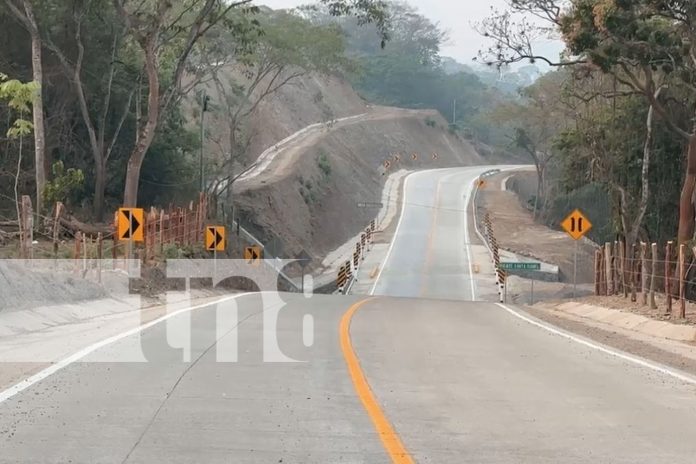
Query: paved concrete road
(431, 254)
(386, 379)
(169, 411)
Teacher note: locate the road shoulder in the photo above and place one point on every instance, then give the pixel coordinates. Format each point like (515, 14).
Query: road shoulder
(672, 353)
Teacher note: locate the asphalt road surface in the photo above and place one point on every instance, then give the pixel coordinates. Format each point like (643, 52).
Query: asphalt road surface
(380, 379)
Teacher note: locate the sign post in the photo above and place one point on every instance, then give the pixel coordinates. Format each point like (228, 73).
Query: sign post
(520, 266)
(253, 255)
(576, 226)
(304, 258)
(215, 241)
(131, 222)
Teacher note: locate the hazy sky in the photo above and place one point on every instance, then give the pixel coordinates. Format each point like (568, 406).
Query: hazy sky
(455, 16)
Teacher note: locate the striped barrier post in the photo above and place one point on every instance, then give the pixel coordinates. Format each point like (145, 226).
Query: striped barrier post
(342, 279)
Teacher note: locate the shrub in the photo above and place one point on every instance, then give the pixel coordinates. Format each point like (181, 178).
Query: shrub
(324, 164)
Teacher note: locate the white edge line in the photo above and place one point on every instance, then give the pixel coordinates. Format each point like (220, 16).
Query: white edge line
(396, 232)
(53, 368)
(467, 239)
(618, 354)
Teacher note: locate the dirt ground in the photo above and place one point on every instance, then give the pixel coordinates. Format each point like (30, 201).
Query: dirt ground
(309, 197)
(516, 231)
(678, 355)
(625, 304)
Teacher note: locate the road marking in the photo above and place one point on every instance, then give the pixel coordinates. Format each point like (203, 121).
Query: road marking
(431, 236)
(467, 238)
(52, 369)
(618, 354)
(390, 440)
(374, 272)
(503, 184)
(396, 232)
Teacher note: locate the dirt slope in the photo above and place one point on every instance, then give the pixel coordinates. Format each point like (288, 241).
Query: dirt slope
(305, 191)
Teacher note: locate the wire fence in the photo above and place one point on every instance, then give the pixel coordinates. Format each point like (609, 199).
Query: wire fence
(648, 274)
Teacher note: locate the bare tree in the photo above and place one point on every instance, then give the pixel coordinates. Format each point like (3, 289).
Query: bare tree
(23, 10)
(101, 146)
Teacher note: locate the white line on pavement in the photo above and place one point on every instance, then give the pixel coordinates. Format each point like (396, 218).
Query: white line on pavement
(684, 377)
(53, 368)
(396, 232)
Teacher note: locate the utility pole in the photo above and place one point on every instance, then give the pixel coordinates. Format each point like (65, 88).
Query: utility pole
(204, 107)
(454, 113)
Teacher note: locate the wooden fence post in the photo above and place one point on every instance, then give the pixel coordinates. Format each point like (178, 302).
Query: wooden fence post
(622, 264)
(633, 270)
(644, 273)
(597, 273)
(653, 276)
(100, 255)
(608, 274)
(84, 254)
(668, 283)
(56, 228)
(161, 231)
(26, 228)
(682, 281)
(78, 249)
(602, 272)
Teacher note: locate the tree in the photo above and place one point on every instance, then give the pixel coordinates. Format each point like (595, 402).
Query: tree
(644, 44)
(18, 95)
(289, 48)
(97, 100)
(23, 10)
(158, 26)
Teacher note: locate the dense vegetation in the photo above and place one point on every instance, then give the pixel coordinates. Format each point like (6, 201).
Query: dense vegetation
(612, 129)
(108, 80)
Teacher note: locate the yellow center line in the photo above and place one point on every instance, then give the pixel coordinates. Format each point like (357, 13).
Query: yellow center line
(431, 240)
(390, 440)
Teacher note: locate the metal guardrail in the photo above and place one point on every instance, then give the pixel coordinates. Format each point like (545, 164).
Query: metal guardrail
(249, 237)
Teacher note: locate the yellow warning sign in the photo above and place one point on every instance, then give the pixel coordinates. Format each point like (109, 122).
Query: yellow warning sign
(435, 156)
(130, 224)
(576, 224)
(253, 255)
(215, 238)
(414, 157)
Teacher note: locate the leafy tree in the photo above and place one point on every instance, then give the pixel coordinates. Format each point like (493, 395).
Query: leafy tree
(290, 47)
(159, 27)
(23, 11)
(18, 96)
(646, 46)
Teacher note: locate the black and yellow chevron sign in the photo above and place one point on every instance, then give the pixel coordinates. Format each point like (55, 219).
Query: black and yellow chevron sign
(131, 222)
(253, 255)
(215, 238)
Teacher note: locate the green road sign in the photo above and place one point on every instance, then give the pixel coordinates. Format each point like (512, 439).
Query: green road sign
(520, 266)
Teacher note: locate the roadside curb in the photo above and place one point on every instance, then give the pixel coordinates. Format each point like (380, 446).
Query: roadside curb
(625, 320)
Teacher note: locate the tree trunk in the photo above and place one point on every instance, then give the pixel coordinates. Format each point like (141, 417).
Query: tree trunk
(146, 133)
(28, 19)
(38, 115)
(686, 208)
(99, 188)
(632, 234)
(130, 193)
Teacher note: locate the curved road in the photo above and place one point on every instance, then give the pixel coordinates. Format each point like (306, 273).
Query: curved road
(382, 379)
